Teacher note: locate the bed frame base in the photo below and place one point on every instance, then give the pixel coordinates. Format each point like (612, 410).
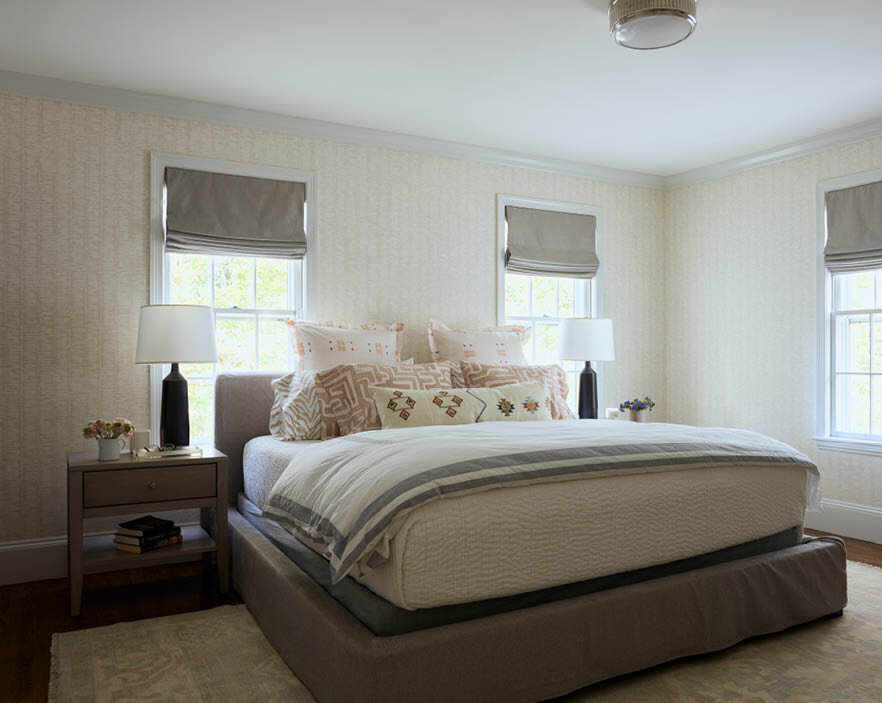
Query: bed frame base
(535, 653)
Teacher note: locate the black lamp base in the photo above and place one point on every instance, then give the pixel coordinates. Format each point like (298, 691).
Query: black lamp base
(588, 393)
(174, 418)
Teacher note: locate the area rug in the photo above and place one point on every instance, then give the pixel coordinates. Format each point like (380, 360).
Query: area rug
(221, 655)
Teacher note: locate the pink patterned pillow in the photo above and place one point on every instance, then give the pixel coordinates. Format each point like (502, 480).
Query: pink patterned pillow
(491, 376)
(346, 402)
(323, 345)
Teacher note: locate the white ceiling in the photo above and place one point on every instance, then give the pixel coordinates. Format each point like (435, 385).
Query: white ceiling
(540, 77)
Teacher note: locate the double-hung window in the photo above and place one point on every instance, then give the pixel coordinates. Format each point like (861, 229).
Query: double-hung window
(211, 245)
(849, 414)
(540, 243)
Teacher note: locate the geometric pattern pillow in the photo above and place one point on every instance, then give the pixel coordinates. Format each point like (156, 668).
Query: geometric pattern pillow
(494, 345)
(346, 402)
(295, 414)
(325, 345)
(460, 406)
(491, 376)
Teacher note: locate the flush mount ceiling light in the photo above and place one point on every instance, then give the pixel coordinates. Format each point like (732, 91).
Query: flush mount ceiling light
(651, 24)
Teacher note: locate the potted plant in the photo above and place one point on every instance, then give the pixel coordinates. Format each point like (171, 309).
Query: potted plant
(637, 408)
(109, 434)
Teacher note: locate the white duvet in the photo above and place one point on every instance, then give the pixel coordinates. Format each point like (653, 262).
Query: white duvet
(354, 493)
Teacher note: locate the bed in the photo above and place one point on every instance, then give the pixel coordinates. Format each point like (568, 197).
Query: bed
(714, 563)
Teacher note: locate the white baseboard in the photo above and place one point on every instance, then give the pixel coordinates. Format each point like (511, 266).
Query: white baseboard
(37, 559)
(848, 520)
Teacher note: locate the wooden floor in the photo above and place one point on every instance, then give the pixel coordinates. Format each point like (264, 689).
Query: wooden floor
(31, 612)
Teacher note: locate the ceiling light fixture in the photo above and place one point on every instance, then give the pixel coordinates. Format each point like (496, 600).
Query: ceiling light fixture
(651, 24)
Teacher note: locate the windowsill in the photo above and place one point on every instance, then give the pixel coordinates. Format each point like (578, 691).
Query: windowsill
(846, 444)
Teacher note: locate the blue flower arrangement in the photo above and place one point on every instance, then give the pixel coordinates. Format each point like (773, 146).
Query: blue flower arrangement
(645, 403)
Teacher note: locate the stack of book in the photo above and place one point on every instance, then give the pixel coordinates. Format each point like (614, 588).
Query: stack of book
(145, 534)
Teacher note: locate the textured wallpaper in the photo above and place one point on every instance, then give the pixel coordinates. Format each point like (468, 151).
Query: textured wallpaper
(402, 236)
(742, 307)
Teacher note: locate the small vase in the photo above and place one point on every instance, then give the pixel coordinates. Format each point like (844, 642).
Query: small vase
(637, 415)
(108, 449)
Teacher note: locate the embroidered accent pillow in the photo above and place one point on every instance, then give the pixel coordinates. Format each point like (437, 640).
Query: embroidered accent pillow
(493, 345)
(320, 346)
(295, 413)
(460, 406)
(491, 376)
(345, 399)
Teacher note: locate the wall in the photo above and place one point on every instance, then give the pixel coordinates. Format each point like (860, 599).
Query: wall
(402, 236)
(741, 301)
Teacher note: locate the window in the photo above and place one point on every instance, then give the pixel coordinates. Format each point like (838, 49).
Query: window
(252, 293)
(251, 298)
(539, 302)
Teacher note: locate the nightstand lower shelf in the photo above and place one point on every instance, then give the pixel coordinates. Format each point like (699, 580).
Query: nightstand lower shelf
(100, 552)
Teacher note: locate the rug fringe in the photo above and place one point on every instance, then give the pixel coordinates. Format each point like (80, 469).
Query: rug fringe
(52, 694)
(863, 563)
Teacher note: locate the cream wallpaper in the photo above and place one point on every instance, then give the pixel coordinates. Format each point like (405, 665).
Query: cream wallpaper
(402, 236)
(742, 309)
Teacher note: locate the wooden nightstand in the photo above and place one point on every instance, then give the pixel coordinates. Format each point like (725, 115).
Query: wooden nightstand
(127, 486)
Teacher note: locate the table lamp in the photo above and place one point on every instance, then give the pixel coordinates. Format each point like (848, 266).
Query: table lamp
(175, 334)
(586, 339)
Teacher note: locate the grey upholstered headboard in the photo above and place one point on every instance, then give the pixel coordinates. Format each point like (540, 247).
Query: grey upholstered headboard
(242, 403)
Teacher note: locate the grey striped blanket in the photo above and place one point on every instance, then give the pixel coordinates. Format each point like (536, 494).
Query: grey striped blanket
(353, 493)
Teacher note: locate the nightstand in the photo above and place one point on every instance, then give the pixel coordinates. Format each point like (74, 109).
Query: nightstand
(127, 486)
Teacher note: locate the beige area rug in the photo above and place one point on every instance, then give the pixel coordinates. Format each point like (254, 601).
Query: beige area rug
(221, 655)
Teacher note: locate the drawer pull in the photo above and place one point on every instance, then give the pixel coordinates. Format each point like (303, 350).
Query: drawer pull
(152, 484)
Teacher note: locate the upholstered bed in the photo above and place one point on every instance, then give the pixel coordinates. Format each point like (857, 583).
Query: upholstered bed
(714, 563)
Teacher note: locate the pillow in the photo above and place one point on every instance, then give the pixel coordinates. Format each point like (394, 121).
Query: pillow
(295, 413)
(321, 346)
(494, 345)
(460, 406)
(486, 375)
(345, 399)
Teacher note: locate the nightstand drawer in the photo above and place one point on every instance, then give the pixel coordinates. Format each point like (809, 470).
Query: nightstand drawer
(148, 485)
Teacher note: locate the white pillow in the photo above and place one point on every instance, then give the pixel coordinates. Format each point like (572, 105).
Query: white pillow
(321, 346)
(493, 345)
(296, 413)
(399, 408)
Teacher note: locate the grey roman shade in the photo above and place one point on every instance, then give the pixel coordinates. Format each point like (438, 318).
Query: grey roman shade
(546, 243)
(854, 228)
(212, 213)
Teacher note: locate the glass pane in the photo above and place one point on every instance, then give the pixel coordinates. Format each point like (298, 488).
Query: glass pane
(273, 343)
(877, 405)
(566, 295)
(272, 284)
(517, 294)
(189, 279)
(547, 338)
(195, 370)
(233, 282)
(201, 411)
(853, 343)
(853, 404)
(877, 343)
(854, 291)
(543, 296)
(235, 343)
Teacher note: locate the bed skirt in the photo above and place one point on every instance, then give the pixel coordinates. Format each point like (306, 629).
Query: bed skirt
(534, 653)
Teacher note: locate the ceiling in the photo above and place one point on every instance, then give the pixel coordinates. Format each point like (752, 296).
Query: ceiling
(540, 78)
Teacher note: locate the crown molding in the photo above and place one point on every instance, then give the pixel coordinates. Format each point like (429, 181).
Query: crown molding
(803, 147)
(128, 100)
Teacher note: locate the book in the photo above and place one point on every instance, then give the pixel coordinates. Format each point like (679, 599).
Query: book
(148, 540)
(155, 452)
(147, 526)
(136, 549)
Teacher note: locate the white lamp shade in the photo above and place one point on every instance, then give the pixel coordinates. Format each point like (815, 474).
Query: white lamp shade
(169, 334)
(586, 339)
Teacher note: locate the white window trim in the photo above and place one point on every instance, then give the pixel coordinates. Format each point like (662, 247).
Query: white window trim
(159, 161)
(824, 352)
(595, 284)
